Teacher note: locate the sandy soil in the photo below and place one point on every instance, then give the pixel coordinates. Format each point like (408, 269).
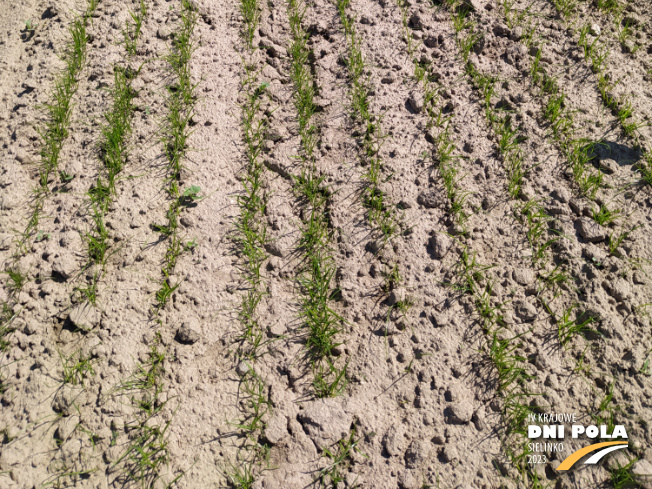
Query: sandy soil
(422, 399)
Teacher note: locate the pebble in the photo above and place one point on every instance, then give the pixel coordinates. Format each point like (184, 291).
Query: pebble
(428, 199)
(84, 316)
(417, 454)
(394, 440)
(619, 289)
(439, 244)
(415, 101)
(163, 33)
(64, 265)
(5, 241)
(397, 295)
(591, 230)
(242, 368)
(525, 311)
(523, 276)
(460, 412)
(189, 332)
(276, 430)
(325, 422)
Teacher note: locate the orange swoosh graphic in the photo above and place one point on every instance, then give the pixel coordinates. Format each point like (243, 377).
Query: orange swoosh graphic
(574, 457)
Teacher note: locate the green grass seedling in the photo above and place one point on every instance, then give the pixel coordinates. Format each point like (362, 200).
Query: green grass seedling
(569, 328)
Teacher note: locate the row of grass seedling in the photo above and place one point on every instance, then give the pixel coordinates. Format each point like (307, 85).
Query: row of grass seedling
(317, 274)
(251, 229)
(381, 214)
(58, 115)
(144, 457)
(578, 151)
(613, 8)
(510, 374)
(250, 238)
(570, 323)
(508, 139)
(53, 133)
(596, 54)
(446, 154)
(531, 214)
(145, 454)
(113, 152)
(176, 131)
(500, 345)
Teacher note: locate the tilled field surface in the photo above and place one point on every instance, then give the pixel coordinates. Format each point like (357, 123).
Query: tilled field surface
(323, 243)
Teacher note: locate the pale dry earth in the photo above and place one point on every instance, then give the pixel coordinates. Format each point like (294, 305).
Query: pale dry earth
(421, 392)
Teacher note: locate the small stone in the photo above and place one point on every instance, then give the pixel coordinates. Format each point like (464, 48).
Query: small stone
(407, 480)
(473, 4)
(590, 230)
(112, 454)
(32, 326)
(242, 368)
(595, 30)
(84, 316)
(354, 480)
(277, 429)
(431, 41)
(450, 454)
(18, 454)
(396, 296)
(187, 221)
(277, 329)
(66, 427)
(416, 101)
(163, 33)
(428, 199)
(417, 454)
(460, 412)
(394, 440)
(439, 244)
(64, 400)
(189, 332)
(525, 311)
(274, 264)
(387, 80)
(642, 471)
(562, 195)
(504, 104)
(615, 460)
(325, 422)
(415, 21)
(374, 246)
(64, 266)
(276, 51)
(479, 420)
(608, 165)
(501, 30)
(273, 134)
(275, 248)
(517, 33)
(619, 289)
(523, 276)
